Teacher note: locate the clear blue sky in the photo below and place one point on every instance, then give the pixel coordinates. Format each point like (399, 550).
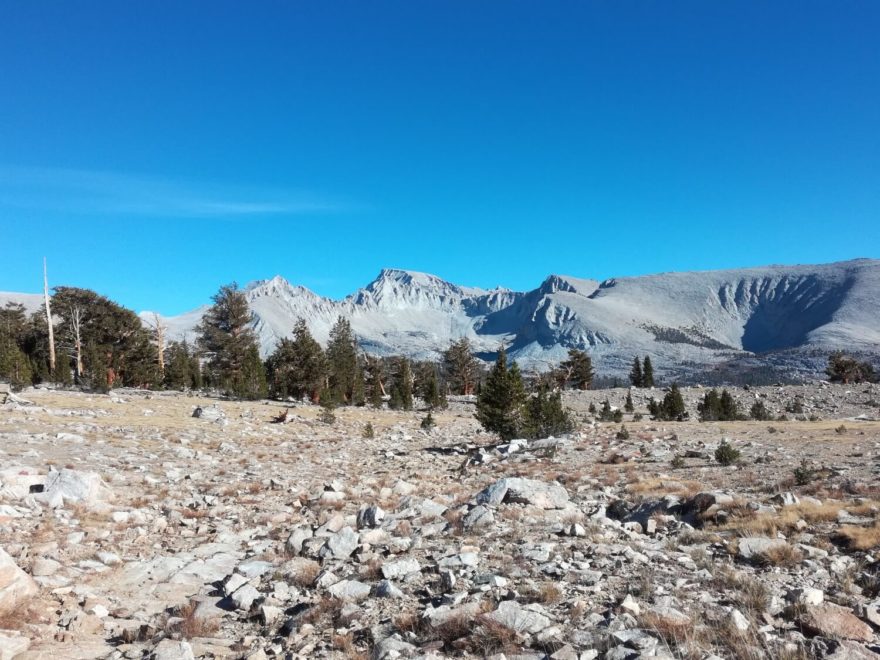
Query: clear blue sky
(156, 150)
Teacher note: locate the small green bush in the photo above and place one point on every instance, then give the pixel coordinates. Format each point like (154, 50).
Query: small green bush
(726, 454)
(369, 432)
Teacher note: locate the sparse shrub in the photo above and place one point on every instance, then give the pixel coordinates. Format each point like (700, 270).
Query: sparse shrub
(727, 454)
(759, 412)
(814, 418)
(369, 432)
(327, 416)
(772, 429)
(617, 416)
(622, 434)
(795, 407)
(717, 408)
(845, 369)
(803, 474)
(677, 462)
(638, 417)
(840, 430)
(592, 409)
(428, 422)
(671, 408)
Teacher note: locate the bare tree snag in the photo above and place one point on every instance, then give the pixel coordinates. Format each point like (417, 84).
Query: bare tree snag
(49, 321)
(159, 329)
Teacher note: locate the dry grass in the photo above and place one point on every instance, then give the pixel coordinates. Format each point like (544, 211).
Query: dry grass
(345, 645)
(547, 593)
(657, 487)
(860, 538)
(192, 626)
(305, 574)
(781, 555)
(749, 523)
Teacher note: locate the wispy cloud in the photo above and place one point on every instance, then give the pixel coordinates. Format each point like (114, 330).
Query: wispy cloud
(109, 193)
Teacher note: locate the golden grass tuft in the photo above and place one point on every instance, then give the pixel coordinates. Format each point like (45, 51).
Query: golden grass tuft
(860, 538)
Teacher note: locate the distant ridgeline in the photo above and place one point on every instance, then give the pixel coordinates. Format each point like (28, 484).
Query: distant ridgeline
(760, 325)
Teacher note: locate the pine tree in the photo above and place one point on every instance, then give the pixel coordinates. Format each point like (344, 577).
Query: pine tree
(179, 366)
(501, 399)
(671, 408)
(106, 343)
(430, 390)
(297, 367)
(545, 416)
(231, 346)
(647, 373)
(635, 375)
(579, 369)
(628, 406)
(728, 408)
(342, 362)
(710, 407)
(462, 368)
(402, 386)
(374, 375)
(252, 382)
(15, 366)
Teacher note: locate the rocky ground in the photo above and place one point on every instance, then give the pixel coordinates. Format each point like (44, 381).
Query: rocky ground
(131, 529)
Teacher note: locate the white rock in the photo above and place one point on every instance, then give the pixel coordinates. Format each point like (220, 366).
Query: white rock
(16, 586)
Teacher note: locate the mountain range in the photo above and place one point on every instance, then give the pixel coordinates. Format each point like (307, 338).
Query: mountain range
(787, 316)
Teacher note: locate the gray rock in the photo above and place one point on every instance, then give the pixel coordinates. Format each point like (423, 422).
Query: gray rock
(479, 516)
(523, 619)
(525, 491)
(244, 597)
(16, 586)
(400, 568)
(169, 649)
(370, 516)
(73, 487)
(752, 547)
(386, 589)
(341, 545)
(350, 590)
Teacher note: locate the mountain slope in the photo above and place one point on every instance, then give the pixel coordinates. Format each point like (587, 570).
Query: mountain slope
(686, 320)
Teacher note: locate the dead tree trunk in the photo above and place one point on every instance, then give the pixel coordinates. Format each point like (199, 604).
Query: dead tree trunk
(160, 344)
(76, 322)
(49, 321)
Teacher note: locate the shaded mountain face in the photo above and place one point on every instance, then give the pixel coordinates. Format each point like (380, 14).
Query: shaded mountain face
(683, 320)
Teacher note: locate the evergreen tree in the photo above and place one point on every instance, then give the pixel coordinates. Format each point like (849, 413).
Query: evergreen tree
(759, 412)
(430, 390)
(729, 410)
(710, 407)
(15, 366)
(179, 366)
(231, 346)
(647, 373)
(462, 368)
(106, 343)
(297, 367)
(671, 408)
(501, 399)
(545, 416)
(845, 369)
(606, 414)
(635, 375)
(342, 362)
(718, 408)
(579, 369)
(374, 375)
(628, 406)
(359, 391)
(402, 386)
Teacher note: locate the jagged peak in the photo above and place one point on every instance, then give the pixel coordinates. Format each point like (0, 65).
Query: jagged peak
(277, 285)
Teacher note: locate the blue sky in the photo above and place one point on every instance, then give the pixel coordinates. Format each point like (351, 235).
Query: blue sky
(156, 150)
